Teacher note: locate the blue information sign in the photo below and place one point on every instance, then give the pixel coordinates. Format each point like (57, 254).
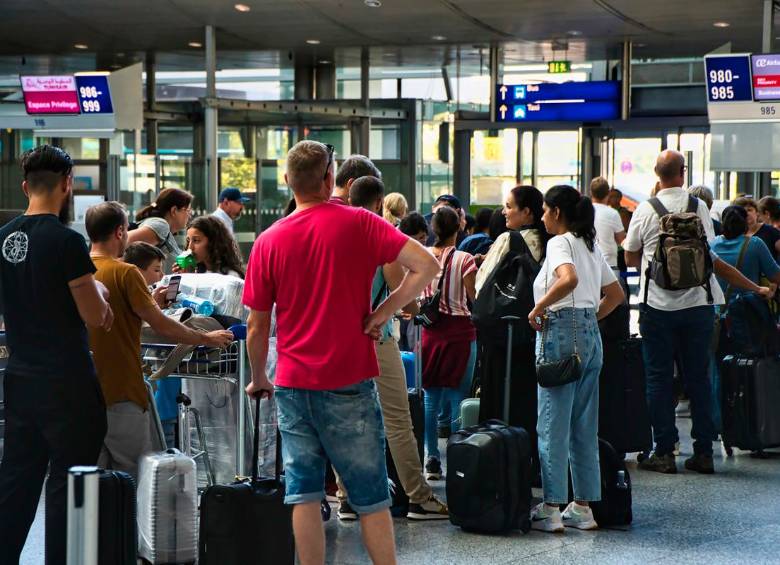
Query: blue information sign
(94, 94)
(565, 102)
(728, 78)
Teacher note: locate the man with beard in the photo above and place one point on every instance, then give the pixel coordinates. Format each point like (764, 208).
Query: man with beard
(55, 416)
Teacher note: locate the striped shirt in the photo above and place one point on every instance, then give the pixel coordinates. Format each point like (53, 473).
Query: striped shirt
(453, 296)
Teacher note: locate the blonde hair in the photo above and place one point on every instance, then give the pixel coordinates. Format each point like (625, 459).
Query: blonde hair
(395, 208)
(306, 166)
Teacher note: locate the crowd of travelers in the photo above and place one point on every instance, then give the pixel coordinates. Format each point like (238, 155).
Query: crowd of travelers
(369, 271)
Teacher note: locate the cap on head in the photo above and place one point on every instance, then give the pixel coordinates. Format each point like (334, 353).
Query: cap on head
(449, 200)
(233, 194)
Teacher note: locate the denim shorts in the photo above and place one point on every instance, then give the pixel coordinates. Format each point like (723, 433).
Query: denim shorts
(343, 425)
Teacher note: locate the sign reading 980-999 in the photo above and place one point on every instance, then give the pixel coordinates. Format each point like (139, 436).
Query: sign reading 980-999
(728, 78)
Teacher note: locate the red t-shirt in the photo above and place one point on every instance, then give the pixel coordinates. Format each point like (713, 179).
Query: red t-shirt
(317, 266)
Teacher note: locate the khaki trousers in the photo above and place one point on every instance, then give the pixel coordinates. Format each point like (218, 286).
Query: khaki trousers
(394, 400)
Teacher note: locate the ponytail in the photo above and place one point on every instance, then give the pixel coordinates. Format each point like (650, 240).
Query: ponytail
(583, 224)
(168, 199)
(577, 212)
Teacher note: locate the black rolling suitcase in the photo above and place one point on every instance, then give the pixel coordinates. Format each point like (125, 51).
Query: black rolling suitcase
(234, 518)
(624, 419)
(489, 472)
(615, 506)
(102, 526)
(749, 402)
(400, 503)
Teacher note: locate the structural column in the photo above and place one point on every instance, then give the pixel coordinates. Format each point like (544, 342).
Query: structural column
(210, 122)
(461, 166)
(151, 102)
(361, 130)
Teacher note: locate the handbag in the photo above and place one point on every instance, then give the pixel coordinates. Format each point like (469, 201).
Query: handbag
(429, 308)
(550, 374)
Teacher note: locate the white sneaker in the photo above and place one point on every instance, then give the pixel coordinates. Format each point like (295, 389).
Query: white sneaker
(580, 517)
(546, 518)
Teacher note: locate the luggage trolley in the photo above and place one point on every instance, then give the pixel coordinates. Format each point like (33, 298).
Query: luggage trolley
(203, 369)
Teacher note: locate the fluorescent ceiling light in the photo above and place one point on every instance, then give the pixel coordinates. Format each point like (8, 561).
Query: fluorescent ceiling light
(242, 7)
(195, 44)
(313, 41)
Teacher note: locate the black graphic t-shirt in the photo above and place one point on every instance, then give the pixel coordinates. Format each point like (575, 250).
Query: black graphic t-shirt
(46, 337)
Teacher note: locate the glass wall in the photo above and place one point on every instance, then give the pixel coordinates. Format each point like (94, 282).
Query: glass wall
(493, 165)
(558, 160)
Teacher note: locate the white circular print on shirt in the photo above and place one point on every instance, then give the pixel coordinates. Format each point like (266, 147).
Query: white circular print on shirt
(15, 247)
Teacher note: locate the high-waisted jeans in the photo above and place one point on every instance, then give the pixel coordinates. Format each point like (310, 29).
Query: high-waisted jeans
(568, 415)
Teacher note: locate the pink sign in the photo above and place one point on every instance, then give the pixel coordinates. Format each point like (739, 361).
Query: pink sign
(626, 167)
(50, 95)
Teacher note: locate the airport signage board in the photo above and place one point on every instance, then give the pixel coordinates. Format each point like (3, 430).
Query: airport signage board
(556, 67)
(569, 101)
(94, 94)
(50, 94)
(766, 77)
(728, 78)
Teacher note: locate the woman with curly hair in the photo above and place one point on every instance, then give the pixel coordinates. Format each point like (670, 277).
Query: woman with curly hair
(213, 247)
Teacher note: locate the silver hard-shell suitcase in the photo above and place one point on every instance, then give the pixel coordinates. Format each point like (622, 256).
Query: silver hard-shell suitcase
(167, 508)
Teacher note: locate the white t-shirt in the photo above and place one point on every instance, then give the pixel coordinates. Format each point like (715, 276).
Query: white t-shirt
(643, 234)
(593, 272)
(608, 224)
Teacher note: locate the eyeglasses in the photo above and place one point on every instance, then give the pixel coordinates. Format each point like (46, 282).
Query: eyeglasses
(331, 151)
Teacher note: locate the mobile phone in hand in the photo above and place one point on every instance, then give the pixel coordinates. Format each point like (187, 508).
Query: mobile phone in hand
(173, 288)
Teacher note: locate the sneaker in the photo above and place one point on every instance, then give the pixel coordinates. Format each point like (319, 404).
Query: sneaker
(700, 463)
(546, 518)
(433, 469)
(431, 509)
(580, 517)
(659, 464)
(346, 513)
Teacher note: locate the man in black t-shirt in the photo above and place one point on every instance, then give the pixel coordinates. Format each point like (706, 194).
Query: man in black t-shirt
(55, 416)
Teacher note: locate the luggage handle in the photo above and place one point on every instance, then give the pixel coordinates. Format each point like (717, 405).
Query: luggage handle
(510, 322)
(417, 355)
(256, 445)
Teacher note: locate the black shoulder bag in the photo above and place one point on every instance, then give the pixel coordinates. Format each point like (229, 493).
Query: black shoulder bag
(563, 371)
(429, 309)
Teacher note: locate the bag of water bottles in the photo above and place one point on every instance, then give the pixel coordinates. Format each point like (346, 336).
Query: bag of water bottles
(210, 294)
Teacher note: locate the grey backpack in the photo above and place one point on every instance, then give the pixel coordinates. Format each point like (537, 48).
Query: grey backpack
(682, 258)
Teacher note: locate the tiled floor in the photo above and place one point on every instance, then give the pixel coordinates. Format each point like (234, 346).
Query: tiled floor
(730, 517)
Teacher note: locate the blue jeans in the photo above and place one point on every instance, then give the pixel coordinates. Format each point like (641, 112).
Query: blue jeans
(568, 415)
(687, 332)
(447, 400)
(343, 425)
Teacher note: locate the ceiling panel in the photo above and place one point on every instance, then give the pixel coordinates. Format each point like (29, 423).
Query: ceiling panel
(531, 27)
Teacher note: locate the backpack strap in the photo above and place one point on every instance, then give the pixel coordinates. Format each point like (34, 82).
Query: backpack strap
(517, 243)
(693, 204)
(740, 260)
(659, 208)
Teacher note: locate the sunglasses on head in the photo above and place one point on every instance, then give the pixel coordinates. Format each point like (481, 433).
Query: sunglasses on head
(331, 151)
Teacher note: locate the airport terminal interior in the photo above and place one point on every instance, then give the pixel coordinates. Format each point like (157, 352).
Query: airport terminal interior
(468, 98)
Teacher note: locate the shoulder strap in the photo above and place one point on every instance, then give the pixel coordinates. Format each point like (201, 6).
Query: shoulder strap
(517, 243)
(740, 260)
(693, 204)
(444, 269)
(380, 295)
(659, 208)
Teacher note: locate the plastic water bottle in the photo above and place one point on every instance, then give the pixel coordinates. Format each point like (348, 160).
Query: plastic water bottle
(199, 305)
(621, 480)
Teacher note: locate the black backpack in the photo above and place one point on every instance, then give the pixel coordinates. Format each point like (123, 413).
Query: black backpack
(508, 291)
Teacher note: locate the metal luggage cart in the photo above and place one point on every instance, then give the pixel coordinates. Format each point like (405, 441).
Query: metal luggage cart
(220, 451)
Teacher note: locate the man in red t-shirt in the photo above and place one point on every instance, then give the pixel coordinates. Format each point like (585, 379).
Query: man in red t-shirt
(317, 266)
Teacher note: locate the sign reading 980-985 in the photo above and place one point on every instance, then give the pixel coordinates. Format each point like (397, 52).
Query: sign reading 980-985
(728, 78)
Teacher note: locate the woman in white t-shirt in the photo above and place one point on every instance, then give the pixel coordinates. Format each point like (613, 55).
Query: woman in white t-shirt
(568, 294)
